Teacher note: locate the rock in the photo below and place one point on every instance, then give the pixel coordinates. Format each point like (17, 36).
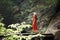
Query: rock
(54, 26)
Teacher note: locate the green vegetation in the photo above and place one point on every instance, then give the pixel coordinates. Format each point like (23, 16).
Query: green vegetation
(16, 16)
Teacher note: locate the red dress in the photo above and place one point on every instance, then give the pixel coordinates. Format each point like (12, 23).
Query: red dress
(34, 24)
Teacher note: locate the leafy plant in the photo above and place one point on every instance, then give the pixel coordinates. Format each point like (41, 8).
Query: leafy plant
(2, 29)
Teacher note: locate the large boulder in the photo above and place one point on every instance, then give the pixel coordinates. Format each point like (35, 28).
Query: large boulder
(54, 26)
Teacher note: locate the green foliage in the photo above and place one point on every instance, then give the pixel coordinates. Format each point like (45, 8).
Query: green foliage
(18, 10)
(11, 37)
(2, 29)
(15, 29)
(14, 11)
(51, 1)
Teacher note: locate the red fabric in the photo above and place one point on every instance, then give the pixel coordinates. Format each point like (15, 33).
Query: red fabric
(34, 24)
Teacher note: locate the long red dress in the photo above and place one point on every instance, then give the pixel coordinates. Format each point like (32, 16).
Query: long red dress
(34, 24)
